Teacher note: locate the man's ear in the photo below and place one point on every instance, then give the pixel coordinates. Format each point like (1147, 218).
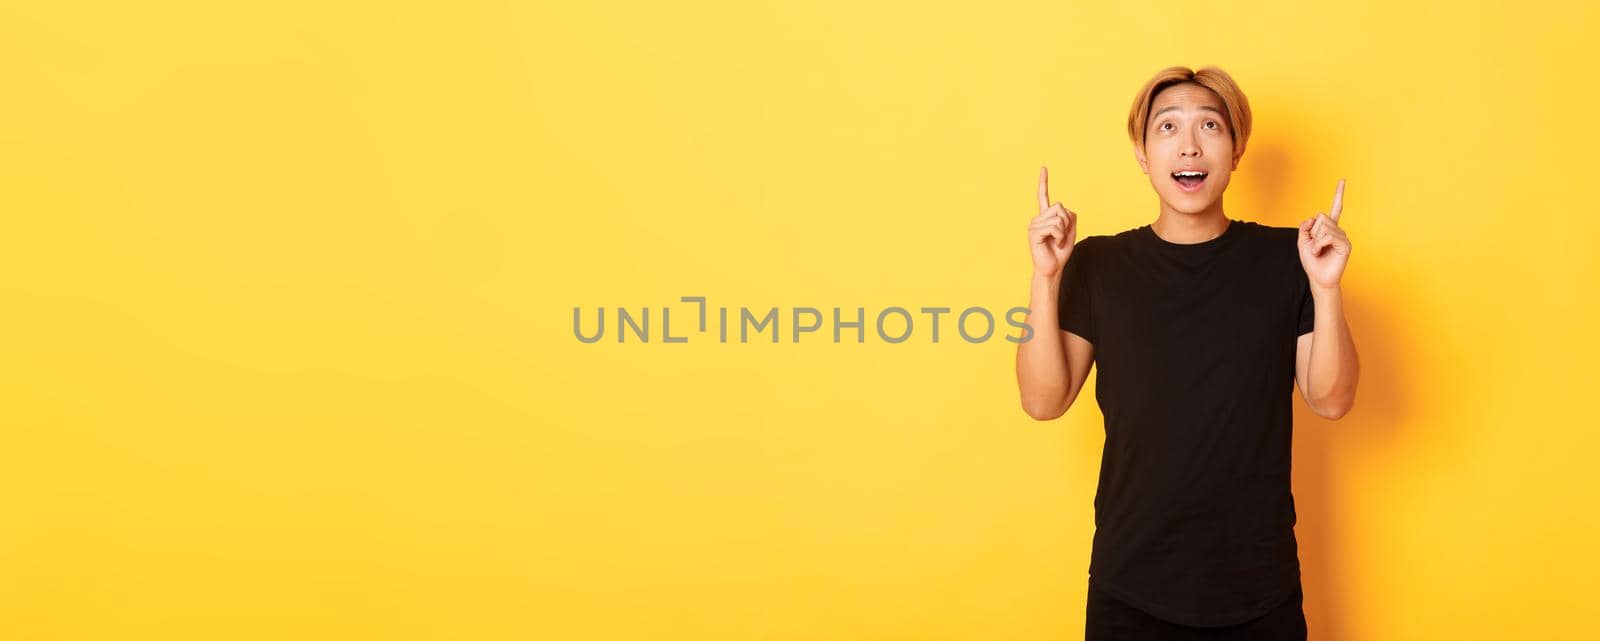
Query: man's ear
(1138, 154)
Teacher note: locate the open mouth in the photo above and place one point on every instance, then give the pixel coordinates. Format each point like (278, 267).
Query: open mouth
(1189, 180)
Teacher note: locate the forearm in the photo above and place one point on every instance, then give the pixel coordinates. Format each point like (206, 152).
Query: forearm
(1334, 368)
(1042, 372)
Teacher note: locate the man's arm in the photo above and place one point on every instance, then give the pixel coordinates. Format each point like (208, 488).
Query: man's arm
(1053, 363)
(1326, 367)
(1325, 360)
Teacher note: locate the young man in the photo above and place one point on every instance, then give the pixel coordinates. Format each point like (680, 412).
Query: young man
(1202, 326)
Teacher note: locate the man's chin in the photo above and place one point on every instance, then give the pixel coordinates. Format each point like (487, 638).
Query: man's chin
(1189, 206)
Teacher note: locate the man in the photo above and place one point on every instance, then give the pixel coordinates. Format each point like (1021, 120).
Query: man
(1201, 325)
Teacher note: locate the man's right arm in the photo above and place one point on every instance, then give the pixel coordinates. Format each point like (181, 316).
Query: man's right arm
(1054, 363)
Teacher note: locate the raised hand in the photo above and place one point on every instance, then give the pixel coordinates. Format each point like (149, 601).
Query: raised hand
(1324, 250)
(1052, 233)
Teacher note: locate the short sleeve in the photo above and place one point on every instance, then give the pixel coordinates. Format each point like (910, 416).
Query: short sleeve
(1307, 318)
(1075, 300)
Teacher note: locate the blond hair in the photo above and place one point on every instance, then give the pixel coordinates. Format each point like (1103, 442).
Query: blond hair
(1213, 78)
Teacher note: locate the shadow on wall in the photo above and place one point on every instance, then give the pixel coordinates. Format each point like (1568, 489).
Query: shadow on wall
(1324, 449)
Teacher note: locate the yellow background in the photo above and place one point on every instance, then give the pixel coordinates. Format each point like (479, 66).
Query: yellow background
(288, 347)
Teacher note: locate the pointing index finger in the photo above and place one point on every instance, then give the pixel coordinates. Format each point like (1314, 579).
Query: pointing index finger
(1044, 190)
(1338, 201)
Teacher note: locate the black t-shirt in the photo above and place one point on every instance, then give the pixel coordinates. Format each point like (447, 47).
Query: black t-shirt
(1194, 345)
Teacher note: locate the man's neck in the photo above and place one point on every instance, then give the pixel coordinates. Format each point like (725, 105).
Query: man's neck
(1188, 229)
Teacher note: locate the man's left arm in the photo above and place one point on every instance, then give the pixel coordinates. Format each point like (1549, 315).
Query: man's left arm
(1326, 367)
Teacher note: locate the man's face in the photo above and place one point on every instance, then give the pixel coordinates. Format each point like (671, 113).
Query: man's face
(1188, 130)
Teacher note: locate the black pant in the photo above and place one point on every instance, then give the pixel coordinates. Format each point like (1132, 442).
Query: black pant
(1112, 620)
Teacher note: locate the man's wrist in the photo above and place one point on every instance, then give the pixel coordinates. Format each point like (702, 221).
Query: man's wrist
(1326, 293)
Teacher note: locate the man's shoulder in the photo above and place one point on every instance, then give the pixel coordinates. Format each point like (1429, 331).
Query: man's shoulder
(1272, 232)
(1112, 239)
(1088, 243)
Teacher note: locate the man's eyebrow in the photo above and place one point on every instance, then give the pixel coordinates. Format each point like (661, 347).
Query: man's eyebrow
(1171, 107)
